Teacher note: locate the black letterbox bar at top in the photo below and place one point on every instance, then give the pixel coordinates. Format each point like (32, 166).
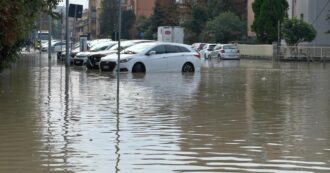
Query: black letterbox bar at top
(75, 8)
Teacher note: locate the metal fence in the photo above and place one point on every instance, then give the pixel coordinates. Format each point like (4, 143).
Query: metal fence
(310, 53)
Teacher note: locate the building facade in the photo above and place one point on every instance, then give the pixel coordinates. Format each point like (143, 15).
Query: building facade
(82, 25)
(314, 12)
(141, 7)
(94, 7)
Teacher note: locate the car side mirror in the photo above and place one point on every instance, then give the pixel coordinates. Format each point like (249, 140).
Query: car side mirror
(151, 53)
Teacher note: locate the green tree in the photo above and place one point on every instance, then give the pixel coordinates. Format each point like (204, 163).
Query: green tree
(197, 22)
(215, 7)
(17, 21)
(296, 31)
(267, 14)
(128, 19)
(224, 28)
(140, 27)
(165, 14)
(108, 18)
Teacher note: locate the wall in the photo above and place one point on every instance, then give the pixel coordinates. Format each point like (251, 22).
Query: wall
(256, 50)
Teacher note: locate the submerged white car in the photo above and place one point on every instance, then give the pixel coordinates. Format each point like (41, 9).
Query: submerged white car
(81, 58)
(95, 57)
(154, 57)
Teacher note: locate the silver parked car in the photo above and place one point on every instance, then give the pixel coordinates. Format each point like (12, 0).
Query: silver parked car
(225, 51)
(206, 51)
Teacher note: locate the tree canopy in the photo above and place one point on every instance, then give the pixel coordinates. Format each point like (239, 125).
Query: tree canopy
(296, 31)
(128, 20)
(224, 28)
(200, 12)
(108, 18)
(17, 20)
(267, 15)
(165, 14)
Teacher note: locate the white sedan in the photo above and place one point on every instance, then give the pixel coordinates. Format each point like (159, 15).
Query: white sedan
(154, 57)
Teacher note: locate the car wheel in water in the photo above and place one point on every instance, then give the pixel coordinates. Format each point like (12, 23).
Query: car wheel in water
(139, 68)
(188, 67)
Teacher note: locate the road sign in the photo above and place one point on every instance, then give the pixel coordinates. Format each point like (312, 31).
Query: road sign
(75, 10)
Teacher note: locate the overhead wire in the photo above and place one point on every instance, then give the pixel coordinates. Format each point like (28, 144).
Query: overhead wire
(317, 17)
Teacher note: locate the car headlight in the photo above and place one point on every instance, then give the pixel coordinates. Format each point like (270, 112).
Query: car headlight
(125, 60)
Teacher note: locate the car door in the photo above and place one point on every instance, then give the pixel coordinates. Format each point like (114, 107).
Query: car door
(174, 58)
(215, 52)
(155, 62)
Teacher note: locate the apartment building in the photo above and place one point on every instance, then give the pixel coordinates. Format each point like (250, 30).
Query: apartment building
(94, 7)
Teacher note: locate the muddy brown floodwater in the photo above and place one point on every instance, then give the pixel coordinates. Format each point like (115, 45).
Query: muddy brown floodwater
(234, 116)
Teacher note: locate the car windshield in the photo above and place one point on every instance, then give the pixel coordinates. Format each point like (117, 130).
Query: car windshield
(211, 47)
(99, 47)
(201, 46)
(123, 45)
(229, 47)
(137, 49)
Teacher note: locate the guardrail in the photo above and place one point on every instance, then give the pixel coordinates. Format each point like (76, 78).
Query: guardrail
(309, 53)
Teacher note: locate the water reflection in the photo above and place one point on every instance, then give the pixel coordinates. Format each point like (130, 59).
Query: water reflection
(234, 116)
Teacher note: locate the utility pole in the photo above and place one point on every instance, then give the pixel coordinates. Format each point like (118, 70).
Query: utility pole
(67, 34)
(39, 32)
(49, 36)
(118, 60)
(61, 26)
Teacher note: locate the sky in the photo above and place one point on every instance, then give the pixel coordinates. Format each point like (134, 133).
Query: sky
(82, 2)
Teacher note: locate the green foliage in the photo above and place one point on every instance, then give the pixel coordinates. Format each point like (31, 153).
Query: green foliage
(267, 14)
(142, 25)
(199, 18)
(199, 12)
(128, 19)
(165, 14)
(17, 20)
(296, 31)
(215, 7)
(108, 18)
(224, 28)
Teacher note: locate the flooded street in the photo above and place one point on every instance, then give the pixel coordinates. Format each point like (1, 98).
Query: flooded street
(234, 116)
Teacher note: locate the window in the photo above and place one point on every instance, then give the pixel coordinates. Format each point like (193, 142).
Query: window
(229, 46)
(217, 47)
(172, 49)
(211, 47)
(158, 49)
(183, 49)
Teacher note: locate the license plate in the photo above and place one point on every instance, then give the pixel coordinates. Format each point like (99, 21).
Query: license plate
(106, 67)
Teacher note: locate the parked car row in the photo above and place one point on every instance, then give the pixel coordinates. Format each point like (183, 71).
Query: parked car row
(138, 56)
(221, 51)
